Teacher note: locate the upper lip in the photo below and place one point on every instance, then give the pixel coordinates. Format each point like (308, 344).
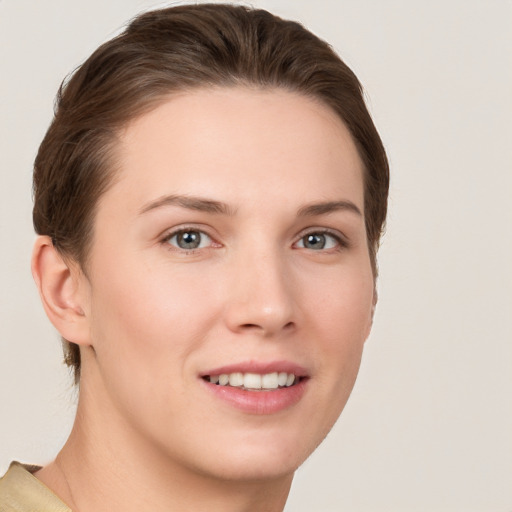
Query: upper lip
(260, 367)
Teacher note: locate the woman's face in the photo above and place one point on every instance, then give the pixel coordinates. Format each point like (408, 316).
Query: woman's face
(232, 244)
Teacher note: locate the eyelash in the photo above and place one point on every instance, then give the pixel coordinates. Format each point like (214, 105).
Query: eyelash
(340, 242)
(166, 240)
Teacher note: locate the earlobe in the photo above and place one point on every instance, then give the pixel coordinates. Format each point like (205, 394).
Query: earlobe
(61, 288)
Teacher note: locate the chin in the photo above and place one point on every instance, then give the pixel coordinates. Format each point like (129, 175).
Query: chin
(255, 455)
(261, 467)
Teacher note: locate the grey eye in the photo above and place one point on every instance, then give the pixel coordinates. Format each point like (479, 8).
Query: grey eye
(314, 241)
(190, 239)
(318, 241)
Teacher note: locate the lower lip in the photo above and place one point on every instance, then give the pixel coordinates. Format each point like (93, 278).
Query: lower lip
(259, 402)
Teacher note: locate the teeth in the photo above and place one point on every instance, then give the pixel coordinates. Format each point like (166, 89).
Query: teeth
(282, 378)
(254, 380)
(236, 379)
(269, 381)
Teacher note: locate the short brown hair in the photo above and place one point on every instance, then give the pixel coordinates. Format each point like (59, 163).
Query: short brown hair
(175, 49)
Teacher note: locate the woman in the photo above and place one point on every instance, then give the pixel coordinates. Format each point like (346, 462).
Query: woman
(209, 201)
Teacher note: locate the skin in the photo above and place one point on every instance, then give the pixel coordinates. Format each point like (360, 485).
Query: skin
(151, 317)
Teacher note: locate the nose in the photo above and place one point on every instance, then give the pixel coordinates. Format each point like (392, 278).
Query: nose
(261, 297)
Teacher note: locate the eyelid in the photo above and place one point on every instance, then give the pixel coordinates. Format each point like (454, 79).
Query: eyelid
(341, 239)
(172, 232)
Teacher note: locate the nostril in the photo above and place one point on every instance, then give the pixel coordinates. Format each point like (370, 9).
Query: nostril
(251, 326)
(287, 326)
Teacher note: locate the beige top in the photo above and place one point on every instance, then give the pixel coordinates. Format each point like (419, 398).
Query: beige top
(21, 491)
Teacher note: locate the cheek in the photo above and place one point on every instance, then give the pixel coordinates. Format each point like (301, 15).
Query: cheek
(145, 323)
(342, 306)
(342, 318)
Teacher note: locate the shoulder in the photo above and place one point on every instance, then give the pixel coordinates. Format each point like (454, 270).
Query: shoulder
(21, 491)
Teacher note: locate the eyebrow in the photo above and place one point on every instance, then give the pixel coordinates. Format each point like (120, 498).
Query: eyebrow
(212, 206)
(328, 207)
(190, 202)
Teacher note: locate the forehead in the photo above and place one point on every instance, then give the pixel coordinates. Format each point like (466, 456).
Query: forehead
(243, 144)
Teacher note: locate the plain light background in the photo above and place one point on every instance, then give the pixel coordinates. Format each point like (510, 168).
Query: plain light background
(429, 424)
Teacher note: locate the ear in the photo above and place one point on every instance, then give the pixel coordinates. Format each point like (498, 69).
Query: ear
(63, 290)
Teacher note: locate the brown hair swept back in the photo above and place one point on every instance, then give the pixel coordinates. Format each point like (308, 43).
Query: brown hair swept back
(175, 49)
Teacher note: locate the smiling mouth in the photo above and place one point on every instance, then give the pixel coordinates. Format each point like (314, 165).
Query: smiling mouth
(254, 381)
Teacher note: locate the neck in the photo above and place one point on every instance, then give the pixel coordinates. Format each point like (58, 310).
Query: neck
(102, 469)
